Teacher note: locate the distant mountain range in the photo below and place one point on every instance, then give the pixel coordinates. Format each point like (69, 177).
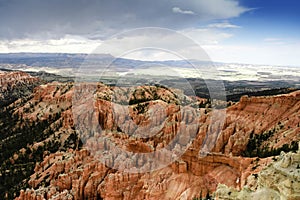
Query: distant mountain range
(74, 60)
(66, 64)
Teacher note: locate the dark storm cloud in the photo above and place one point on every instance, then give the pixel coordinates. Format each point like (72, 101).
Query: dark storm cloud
(101, 18)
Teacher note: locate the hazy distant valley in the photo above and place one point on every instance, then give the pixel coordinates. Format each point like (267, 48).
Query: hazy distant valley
(237, 79)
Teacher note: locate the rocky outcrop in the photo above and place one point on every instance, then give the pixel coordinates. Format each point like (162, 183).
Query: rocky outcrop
(280, 180)
(191, 149)
(34, 125)
(78, 175)
(258, 115)
(15, 85)
(14, 79)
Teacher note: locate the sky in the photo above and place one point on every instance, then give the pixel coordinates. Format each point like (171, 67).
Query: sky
(232, 31)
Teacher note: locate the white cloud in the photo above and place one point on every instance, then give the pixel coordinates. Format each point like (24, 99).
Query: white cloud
(219, 9)
(67, 44)
(183, 43)
(209, 39)
(274, 41)
(223, 25)
(126, 45)
(54, 19)
(206, 36)
(3, 47)
(75, 26)
(284, 55)
(179, 10)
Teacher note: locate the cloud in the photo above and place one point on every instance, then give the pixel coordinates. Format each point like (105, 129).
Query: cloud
(144, 44)
(206, 36)
(120, 44)
(223, 25)
(287, 54)
(67, 44)
(272, 39)
(53, 19)
(178, 10)
(275, 41)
